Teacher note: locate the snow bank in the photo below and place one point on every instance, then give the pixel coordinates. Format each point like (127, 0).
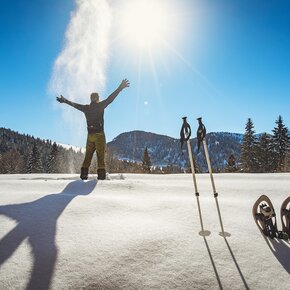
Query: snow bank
(138, 232)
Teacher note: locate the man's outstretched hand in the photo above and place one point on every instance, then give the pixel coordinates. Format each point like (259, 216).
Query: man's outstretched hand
(61, 99)
(124, 84)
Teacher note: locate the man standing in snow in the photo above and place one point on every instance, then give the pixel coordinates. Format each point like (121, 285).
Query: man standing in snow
(96, 140)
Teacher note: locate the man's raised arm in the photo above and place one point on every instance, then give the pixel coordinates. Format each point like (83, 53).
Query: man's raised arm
(124, 84)
(62, 99)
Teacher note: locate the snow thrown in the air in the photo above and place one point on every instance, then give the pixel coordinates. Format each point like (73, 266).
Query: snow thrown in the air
(138, 233)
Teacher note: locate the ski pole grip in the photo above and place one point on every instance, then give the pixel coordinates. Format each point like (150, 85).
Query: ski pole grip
(201, 133)
(185, 130)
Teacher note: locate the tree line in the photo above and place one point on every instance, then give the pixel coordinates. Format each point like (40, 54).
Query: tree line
(263, 152)
(25, 154)
(21, 153)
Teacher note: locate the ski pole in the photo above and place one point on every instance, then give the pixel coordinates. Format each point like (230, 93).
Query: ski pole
(185, 134)
(201, 133)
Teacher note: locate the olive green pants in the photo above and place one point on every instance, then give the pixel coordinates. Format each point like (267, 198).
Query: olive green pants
(95, 142)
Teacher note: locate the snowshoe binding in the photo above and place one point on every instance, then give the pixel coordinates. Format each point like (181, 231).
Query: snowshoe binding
(265, 218)
(101, 174)
(285, 216)
(84, 173)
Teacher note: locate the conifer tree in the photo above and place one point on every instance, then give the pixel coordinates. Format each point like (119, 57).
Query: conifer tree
(146, 161)
(264, 153)
(248, 148)
(231, 166)
(11, 162)
(287, 159)
(280, 143)
(34, 164)
(52, 160)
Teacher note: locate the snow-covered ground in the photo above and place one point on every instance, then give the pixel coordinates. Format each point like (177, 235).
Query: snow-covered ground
(138, 232)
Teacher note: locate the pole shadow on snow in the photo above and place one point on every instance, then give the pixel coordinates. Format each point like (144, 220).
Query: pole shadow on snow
(213, 264)
(236, 264)
(36, 221)
(234, 259)
(204, 234)
(281, 250)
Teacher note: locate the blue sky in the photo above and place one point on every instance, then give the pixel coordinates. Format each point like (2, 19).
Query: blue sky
(226, 61)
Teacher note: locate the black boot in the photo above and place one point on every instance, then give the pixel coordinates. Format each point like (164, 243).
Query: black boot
(84, 173)
(101, 174)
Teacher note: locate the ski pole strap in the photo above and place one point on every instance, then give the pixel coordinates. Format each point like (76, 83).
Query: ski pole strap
(185, 132)
(201, 133)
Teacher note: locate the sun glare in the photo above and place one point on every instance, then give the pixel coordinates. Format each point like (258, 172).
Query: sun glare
(147, 23)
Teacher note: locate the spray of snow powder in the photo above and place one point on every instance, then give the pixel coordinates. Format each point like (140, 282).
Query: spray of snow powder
(80, 68)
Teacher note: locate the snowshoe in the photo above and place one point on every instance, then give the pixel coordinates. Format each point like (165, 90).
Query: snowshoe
(265, 218)
(285, 216)
(101, 174)
(84, 173)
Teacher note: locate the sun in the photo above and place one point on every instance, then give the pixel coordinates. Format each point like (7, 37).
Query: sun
(147, 23)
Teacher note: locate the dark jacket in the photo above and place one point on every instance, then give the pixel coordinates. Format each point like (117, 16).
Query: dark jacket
(94, 112)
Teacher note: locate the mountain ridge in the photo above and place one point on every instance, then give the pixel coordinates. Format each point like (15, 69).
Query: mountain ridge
(165, 150)
(129, 146)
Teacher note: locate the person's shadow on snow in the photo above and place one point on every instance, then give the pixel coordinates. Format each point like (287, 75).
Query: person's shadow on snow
(281, 250)
(36, 221)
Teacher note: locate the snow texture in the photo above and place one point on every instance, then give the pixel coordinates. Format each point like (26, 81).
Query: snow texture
(138, 232)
